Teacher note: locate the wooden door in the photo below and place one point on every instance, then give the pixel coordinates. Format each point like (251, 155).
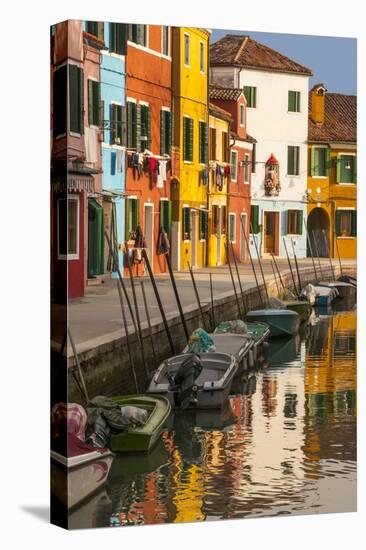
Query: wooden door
(271, 231)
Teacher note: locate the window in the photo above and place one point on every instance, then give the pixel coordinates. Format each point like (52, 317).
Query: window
(293, 101)
(254, 218)
(165, 132)
(186, 224)
(131, 125)
(95, 28)
(118, 124)
(132, 217)
(145, 135)
(346, 169)
(113, 163)
(188, 139)
(346, 223)
(203, 143)
(293, 154)
(166, 35)
(320, 161)
(212, 143)
(232, 227)
(93, 102)
(215, 219)
(203, 225)
(138, 34)
(254, 155)
(225, 146)
(186, 50)
(246, 168)
(118, 38)
(68, 228)
(241, 115)
(234, 165)
(76, 95)
(250, 93)
(202, 57)
(166, 216)
(60, 101)
(294, 222)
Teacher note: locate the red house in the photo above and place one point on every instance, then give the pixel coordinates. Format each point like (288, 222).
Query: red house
(75, 157)
(149, 131)
(242, 164)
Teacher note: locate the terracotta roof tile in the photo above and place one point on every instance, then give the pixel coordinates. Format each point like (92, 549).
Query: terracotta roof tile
(243, 51)
(225, 94)
(340, 124)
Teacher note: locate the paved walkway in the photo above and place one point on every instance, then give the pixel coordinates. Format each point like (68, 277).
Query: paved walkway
(96, 318)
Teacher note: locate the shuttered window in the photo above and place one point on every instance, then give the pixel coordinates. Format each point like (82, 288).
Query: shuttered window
(203, 224)
(234, 165)
(76, 95)
(145, 135)
(118, 124)
(346, 169)
(212, 143)
(113, 162)
(232, 227)
(166, 39)
(166, 216)
(246, 168)
(294, 222)
(346, 223)
(203, 143)
(319, 161)
(60, 101)
(93, 102)
(293, 101)
(186, 223)
(131, 124)
(202, 57)
(225, 146)
(186, 49)
(254, 218)
(138, 34)
(165, 132)
(250, 93)
(293, 159)
(132, 217)
(96, 28)
(188, 139)
(118, 33)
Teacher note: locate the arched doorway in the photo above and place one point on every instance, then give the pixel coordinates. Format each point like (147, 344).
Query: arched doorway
(318, 228)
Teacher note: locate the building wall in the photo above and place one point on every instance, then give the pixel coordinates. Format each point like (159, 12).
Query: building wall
(148, 79)
(190, 92)
(112, 77)
(274, 129)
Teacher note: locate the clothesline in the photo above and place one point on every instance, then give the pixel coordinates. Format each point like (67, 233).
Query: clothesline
(148, 153)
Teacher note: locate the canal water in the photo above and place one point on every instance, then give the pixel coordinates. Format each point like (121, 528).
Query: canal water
(286, 444)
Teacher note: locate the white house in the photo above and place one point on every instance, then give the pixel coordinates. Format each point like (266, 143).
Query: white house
(276, 89)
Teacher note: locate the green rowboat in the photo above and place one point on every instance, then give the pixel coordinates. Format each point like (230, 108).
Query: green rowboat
(142, 438)
(302, 307)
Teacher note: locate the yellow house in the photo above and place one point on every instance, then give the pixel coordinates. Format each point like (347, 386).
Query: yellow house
(219, 170)
(332, 177)
(190, 140)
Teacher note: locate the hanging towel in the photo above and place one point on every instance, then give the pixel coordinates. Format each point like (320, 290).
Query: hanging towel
(90, 145)
(162, 169)
(152, 164)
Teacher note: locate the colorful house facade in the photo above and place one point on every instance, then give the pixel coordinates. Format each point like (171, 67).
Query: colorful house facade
(332, 173)
(149, 129)
(276, 90)
(76, 184)
(190, 140)
(219, 177)
(242, 155)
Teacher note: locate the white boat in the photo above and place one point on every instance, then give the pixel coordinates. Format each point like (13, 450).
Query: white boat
(75, 478)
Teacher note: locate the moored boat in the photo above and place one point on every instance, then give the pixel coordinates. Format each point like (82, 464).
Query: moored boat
(281, 322)
(188, 380)
(144, 437)
(344, 289)
(302, 307)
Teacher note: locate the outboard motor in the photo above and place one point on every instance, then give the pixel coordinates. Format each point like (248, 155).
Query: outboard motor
(183, 384)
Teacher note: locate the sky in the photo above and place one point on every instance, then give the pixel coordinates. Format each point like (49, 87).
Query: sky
(332, 59)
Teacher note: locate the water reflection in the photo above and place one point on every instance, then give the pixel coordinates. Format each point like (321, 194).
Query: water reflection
(286, 444)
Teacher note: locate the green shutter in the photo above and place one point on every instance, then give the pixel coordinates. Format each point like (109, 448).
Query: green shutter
(312, 161)
(290, 160)
(166, 216)
(353, 223)
(81, 99)
(96, 99)
(185, 133)
(201, 126)
(148, 127)
(190, 139)
(291, 100)
(338, 169)
(299, 222)
(135, 214)
(112, 37)
(121, 43)
(327, 162)
(168, 132)
(128, 214)
(186, 223)
(138, 127)
(130, 123)
(162, 132)
(123, 126)
(90, 102)
(354, 169)
(254, 217)
(113, 130)
(338, 222)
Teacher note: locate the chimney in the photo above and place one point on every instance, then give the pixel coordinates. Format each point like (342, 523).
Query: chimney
(318, 103)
